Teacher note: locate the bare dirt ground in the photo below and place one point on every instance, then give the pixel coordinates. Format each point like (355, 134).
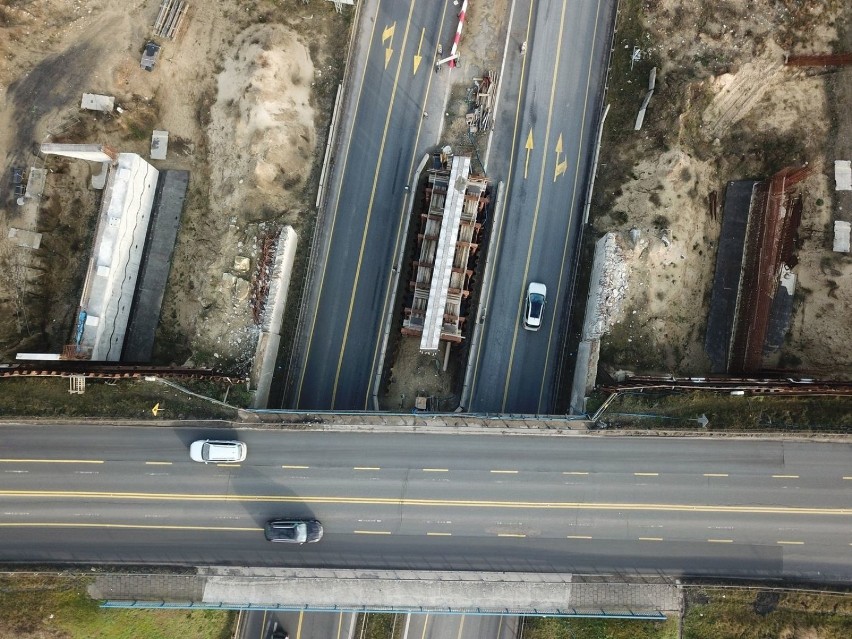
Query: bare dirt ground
(245, 92)
(725, 108)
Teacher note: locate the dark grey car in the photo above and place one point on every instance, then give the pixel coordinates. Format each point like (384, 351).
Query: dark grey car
(293, 531)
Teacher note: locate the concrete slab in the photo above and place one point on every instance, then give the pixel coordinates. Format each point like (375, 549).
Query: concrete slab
(156, 263)
(90, 152)
(322, 589)
(843, 175)
(842, 232)
(97, 102)
(726, 280)
(119, 246)
(436, 591)
(159, 145)
(25, 239)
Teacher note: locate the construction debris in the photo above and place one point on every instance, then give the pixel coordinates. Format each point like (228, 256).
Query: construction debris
(825, 60)
(774, 217)
(170, 18)
(480, 118)
(652, 82)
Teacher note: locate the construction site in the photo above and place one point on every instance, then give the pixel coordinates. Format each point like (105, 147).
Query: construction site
(726, 205)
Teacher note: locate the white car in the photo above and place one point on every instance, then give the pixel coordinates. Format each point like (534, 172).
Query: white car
(213, 450)
(534, 308)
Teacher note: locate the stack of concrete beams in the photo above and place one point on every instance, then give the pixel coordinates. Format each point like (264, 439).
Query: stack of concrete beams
(170, 18)
(448, 240)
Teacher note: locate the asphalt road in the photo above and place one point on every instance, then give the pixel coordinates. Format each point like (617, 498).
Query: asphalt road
(546, 154)
(342, 625)
(259, 624)
(522, 503)
(367, 201)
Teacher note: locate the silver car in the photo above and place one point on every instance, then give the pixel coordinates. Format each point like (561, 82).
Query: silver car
(534, 308)
(215, 450)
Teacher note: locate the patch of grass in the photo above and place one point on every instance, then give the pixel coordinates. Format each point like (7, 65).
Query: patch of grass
(726, 412)
(53, 606)
(714, 613)
(558, 628)
(130, 399)
(380, 626)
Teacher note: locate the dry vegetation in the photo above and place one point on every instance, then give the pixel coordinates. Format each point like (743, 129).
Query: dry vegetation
(44, 606)
(724, 109)
(245, 92)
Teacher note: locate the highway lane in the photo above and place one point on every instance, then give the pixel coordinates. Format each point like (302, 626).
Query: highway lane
(259, 624)
(552, 141)
(434, 502)
(366, 203)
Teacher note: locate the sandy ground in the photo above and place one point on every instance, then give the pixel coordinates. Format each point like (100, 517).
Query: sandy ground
(725, 108)
(245, 92)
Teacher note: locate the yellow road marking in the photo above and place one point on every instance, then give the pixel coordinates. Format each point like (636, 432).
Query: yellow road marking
(417, 57)
(436, 470)
(647, 474)
(535, 212)
(156, 463)
(529, 146)
(51, 461)
(578, 537)
(370, 210)
(715, 474)
(263, 625)
(299, 627)
(42, 524)
(387, 34)
(228, 465)
(366, 468)
(563, 270)
(454, 503)
(339, 625)
(399, 229)
(721, 541)
(562, 166)
(425, 623)
(792, 543)
(439, 534)
(371, 532)
(461, 627)
(785, 476)
(574, 472)
(518, 535)
(849, 477)
(650, 538)
(295, 467)
(345, 154)
(504, 472)
(499, 238)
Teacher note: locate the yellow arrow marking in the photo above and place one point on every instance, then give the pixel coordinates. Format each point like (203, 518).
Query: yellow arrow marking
(529, 147)
(387, 35)
(156, 409)
(417, 57)
(562, 166)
